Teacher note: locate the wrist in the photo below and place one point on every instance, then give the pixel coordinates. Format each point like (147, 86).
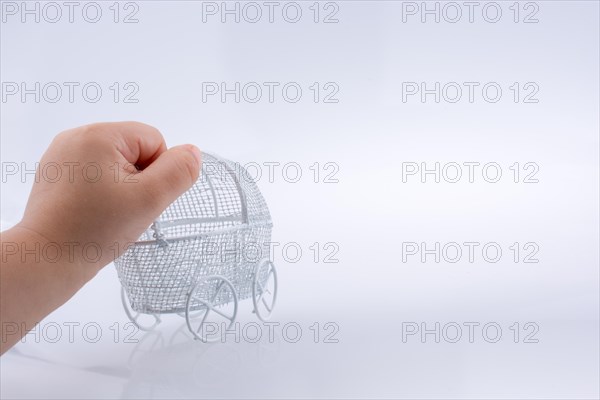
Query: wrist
(23, 244)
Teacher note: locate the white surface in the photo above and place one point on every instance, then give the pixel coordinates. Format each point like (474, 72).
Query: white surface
(369, 213)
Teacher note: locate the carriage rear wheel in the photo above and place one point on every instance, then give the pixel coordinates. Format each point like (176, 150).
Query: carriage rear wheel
(264, 289)
(140, 320)
(211, 307)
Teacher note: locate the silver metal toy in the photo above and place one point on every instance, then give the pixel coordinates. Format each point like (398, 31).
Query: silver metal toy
(207, 251)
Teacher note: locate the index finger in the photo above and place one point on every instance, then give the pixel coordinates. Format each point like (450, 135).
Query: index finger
(139, 143)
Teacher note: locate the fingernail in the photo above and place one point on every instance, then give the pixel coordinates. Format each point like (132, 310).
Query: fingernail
(196, 152)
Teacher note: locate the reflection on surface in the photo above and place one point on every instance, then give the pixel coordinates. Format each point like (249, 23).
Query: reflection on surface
(176, 365)
(368, 361)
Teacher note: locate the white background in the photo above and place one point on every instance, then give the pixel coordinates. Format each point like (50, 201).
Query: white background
(369, 133)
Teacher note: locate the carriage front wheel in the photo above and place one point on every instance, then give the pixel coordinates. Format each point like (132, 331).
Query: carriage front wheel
(264, 289)
(211, 308)
(140, 320)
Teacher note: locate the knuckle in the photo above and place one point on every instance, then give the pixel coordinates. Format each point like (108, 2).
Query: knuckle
(93, 131)
(64, 136)
(138, 124)
(95, 136)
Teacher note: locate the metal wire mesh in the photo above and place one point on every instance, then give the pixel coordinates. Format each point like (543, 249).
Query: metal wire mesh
(221, 226)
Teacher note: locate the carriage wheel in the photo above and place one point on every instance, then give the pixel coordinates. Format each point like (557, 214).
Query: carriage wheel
(135, 316)
(264, 295)
(201, 304)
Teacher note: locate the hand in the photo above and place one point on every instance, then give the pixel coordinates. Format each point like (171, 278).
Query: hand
(115, 179)
(98, 187)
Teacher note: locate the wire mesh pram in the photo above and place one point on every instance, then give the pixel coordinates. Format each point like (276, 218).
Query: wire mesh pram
(208, 249)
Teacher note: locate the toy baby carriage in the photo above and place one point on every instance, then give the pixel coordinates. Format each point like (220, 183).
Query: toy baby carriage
(208, 250)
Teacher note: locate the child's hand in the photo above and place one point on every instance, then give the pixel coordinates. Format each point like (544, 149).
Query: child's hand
(98, 187)
(101, 197)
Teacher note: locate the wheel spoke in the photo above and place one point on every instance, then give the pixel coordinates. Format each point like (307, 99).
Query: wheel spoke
(202, 301)
(266, 305)
(219, 287)
(222, 314)
(263, 291)
(213, 295)
(196, 315)
(261, 288)
(260, 297)
(202, 322)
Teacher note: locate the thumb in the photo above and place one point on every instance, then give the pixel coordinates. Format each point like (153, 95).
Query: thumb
(171, 174)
